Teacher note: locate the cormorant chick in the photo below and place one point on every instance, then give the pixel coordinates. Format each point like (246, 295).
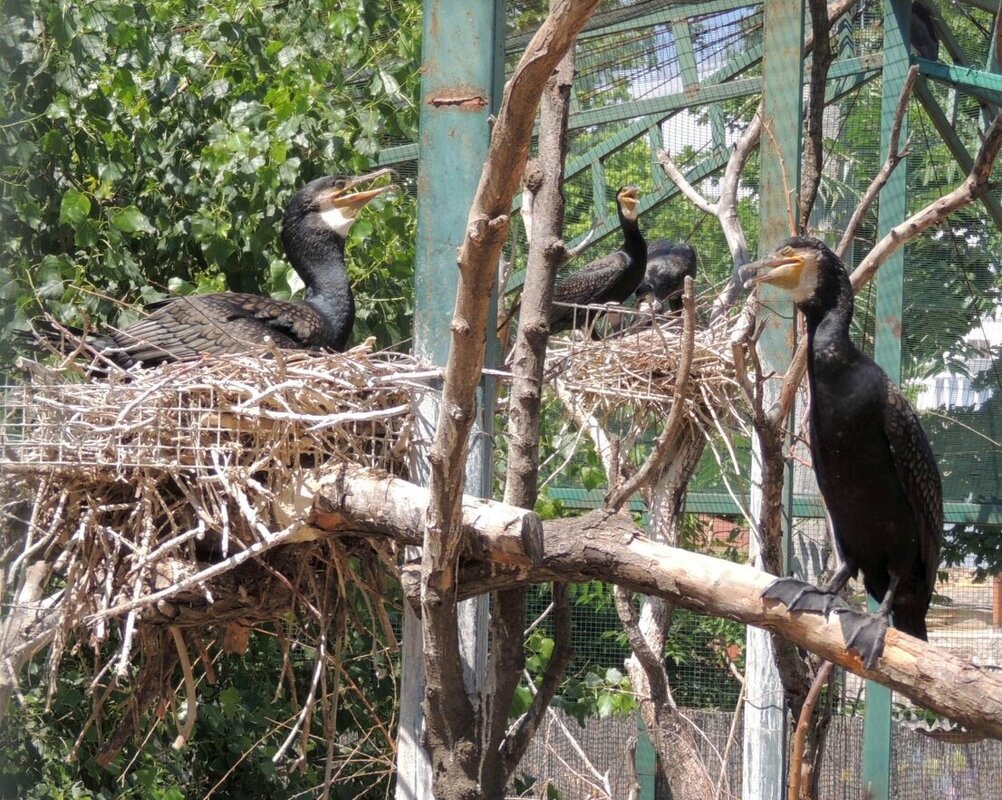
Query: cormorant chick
(667, 266)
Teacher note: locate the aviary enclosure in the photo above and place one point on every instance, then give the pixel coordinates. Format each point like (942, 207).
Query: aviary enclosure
(158, 519)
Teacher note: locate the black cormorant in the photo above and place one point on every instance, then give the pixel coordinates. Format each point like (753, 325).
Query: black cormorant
(923, 33)
(314, 227)
(610, 279)
(667, 265)
(874, 465)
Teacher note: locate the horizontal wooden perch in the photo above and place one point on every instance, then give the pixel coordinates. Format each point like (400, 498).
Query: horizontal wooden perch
(355, 500)
(609, 547)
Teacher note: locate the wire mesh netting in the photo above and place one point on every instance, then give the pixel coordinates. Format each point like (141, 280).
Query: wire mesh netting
(632, 66)
(653, 76)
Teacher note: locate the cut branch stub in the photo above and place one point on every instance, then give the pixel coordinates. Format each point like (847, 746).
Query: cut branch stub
(355, 500)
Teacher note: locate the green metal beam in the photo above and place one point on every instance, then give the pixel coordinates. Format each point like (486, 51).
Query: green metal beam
(683, 49)
(984, 85)
(462, 56)
(956, 147)
(708, 92)
(890, 289)
(630, 20)
(665, 104)
(806, 506)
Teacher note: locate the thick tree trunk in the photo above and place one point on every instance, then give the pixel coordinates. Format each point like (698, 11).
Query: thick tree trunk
(679, 761)
(544, 184)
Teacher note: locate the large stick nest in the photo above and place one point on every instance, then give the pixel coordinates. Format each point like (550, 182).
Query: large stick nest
(151, 492)
(634, 367)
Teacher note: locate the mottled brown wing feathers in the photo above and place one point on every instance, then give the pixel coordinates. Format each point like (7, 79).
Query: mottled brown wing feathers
(589, 284)
(217, 324)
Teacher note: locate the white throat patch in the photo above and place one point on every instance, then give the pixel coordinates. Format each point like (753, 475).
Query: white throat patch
(336, 219)
(809, 279)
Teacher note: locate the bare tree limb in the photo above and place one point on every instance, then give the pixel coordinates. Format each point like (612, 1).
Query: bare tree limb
(679, 758)
(450, 718)
(800, 735)
(688, 191)
(517, 741)
(814, 140)
(606, 546)
(895, 153)
(621, 492)
(546, 254)
(27, 629)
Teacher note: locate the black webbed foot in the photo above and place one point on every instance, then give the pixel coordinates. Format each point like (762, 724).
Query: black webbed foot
(865, 634)
(800, 596)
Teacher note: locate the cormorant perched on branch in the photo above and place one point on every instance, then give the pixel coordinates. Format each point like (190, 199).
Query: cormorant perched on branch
(874, 465)
(667, 266)
(610, 279)
(314, 227)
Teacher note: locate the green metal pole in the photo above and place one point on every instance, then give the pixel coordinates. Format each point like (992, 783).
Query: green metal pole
(645, 763)
(887, 333)
(462, 78)
(764, 773)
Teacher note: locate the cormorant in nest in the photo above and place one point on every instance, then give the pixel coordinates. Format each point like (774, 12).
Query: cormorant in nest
(314, 227)
(610, 279)
(873, 461)
(667, 266)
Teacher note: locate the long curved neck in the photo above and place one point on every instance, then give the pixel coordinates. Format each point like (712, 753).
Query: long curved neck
(828, 327)
(317, 255)
(634, 245)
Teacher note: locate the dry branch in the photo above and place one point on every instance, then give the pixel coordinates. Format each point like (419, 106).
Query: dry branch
(544, 230)
(814, 139)
(351, 500)
(605, 546)
(451, 737)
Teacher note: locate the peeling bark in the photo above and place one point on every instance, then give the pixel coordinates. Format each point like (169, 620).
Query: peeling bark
(451, 734)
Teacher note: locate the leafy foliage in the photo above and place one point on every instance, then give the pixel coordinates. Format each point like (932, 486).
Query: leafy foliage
(150, 148)
(243, 718)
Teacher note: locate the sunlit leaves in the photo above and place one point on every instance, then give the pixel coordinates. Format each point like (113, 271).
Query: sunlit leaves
(74, 208)
(146, 143)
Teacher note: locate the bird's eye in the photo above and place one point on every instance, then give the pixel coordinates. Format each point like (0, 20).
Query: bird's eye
(786, 251)
(340, 183)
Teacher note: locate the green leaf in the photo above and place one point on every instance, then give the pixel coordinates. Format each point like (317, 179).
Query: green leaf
(74, 208)
(606, 705)
(86, 233)
(130, 220)
(521, 701)
(229, 699)
(59, 108)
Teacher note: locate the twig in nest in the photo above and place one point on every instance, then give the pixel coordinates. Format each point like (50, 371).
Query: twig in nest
(621, 493)
(191, 701)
